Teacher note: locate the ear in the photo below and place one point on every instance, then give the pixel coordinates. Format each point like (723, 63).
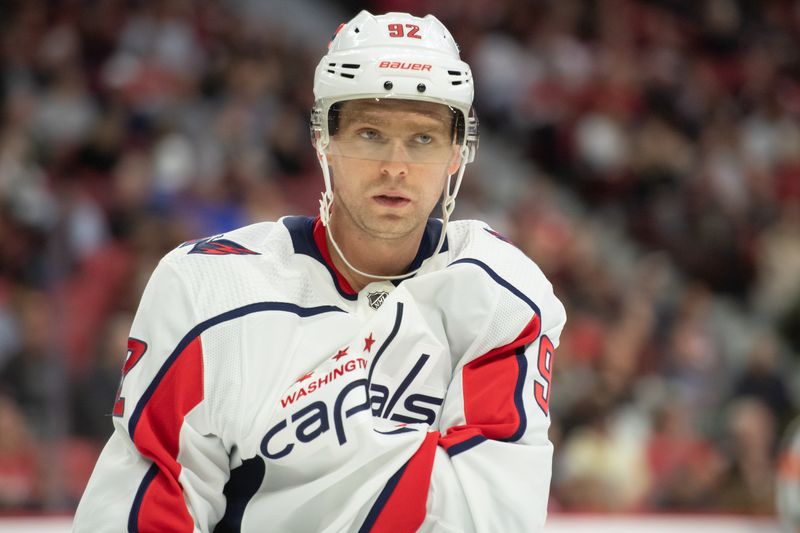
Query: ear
(455, 161)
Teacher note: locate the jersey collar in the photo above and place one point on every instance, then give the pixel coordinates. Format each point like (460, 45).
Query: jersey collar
(308, 238)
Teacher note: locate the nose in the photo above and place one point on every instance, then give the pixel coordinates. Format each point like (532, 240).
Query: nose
(395, 162)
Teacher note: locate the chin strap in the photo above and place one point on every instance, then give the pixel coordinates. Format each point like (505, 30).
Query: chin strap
(326, 202)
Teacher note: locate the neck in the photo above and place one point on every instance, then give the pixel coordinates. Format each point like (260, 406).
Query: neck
(371, 254)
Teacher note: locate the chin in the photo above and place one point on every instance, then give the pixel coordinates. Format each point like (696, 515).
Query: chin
(391, 227)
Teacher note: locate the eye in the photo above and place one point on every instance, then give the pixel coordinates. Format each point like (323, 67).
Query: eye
(370, 135)
(423, 138)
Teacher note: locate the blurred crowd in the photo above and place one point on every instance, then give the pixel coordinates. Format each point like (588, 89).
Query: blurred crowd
(646, 154)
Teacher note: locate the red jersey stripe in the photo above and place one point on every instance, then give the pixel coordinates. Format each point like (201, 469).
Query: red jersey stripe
(491, 389)
(322, 244)
(162, 506)
(406, 506)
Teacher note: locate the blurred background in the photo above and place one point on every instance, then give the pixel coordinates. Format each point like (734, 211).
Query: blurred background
(646, 154)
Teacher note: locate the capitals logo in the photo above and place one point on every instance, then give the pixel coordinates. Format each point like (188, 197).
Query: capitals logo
(306, 422)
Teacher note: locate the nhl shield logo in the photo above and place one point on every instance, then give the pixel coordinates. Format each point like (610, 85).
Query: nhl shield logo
(376, 299)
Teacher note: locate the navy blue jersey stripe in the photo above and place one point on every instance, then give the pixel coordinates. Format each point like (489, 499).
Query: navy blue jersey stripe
(133, 518)
(395, 431)
(398, 319)
(495, 276)
(200, 328)
(243, 484)
(383, 497)
(522, 362)
(471, 442)
(430, 238)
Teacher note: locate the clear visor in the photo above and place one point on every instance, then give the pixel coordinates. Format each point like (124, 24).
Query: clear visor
(387, 129)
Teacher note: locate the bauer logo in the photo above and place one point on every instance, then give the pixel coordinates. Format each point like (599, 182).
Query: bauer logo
(400, 65)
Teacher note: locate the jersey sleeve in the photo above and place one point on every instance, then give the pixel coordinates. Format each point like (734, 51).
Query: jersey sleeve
(488, 467)
(494, 449)
(164, 467)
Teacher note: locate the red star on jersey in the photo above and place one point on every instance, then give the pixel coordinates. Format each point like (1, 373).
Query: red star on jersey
(304, 377)
(341, 353)
(368, 343)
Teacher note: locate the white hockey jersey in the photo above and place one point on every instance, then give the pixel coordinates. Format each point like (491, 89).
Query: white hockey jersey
(261, 393)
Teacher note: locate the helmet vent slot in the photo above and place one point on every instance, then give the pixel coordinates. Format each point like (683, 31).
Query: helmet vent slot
(333, 69)
(458, 77)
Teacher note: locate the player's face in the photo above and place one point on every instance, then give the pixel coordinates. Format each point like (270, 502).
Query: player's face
(390, 160)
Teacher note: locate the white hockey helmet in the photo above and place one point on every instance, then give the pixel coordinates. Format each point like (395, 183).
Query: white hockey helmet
(397, 56)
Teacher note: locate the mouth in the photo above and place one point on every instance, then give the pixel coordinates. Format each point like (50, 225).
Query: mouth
(391, 200)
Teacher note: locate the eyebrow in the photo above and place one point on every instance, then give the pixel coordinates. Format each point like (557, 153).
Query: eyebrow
(426, 121)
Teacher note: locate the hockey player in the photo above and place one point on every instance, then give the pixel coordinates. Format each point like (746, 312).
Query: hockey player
(371, 369)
